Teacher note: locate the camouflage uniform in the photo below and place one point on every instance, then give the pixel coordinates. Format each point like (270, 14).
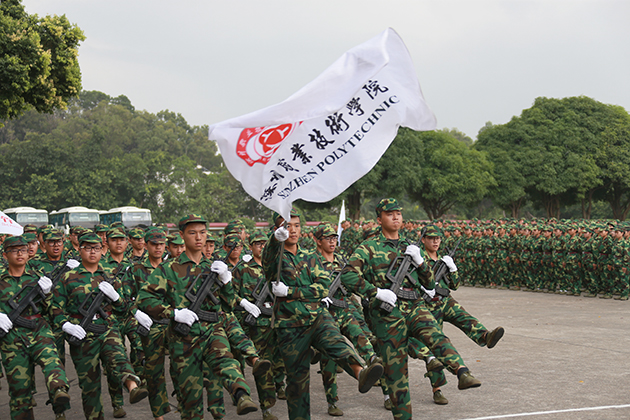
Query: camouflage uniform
(366, 271)
(72, 291)
(206, 342)
(301, 322)
(23, 348)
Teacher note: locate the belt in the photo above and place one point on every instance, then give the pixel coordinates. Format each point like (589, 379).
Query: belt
(31, 317)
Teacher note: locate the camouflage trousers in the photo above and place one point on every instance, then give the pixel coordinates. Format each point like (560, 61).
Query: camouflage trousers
(242, 347)
(155, 346)
(295, 344)
(350, 328)
(393, 330)
(87, 357)
(188, 355)
(128, 328)
(264, 338)
(449, 310)
(21, 350)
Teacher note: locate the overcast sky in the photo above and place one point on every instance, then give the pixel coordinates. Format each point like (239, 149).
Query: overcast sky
(477, 61)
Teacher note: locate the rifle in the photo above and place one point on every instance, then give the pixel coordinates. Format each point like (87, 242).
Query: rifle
(91, 306)
(439, 271)
(404, 267)
(29, 299)
(260, 295)
(336, 286)
(208, 281)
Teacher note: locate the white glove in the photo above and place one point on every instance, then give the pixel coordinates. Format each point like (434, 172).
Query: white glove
(414, 252)
(327, 301)
(449, 263)
(74, 330)
(279, 289)
(431, 292)
(185, 316)
(250, 307)
(5, 322)
(387, 296)
(72, 263)
(144, 319)
(221, 269)
(45, 283)
(109, 291)
(247, 258)
(281, 234)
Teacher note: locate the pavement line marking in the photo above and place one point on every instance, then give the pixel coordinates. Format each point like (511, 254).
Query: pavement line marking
(538, 413)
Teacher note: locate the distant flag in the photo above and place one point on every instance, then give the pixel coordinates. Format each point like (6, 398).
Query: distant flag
(330, 133)
(342, 217)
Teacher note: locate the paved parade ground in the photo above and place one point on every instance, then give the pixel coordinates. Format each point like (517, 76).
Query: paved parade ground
(562, 357)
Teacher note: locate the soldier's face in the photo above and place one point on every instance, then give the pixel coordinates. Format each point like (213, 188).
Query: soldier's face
(391, 220)
(208, 250)
(54, 248)
(32, 249)
(236, 253)
(328, 244)
(90, 252)
(176, 250)
(155, 250)
(295, 230)
(257, 248)
(432, 243)
(16, 256)
(117, 245)
(195, 235)
(137, 243)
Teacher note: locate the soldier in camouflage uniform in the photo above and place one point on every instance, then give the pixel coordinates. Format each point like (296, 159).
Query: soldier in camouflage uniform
(154, 344)
(163, 297)
(326, 240)
(174, 246)
(71, 247)
(299, 282)
(101, 230)
(101, 342)
(136, 239)
(366, 275)
(116, 264)
(247, 276)
(445, 308)
(22, 347)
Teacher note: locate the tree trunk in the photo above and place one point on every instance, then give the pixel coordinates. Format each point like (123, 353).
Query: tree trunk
(354, 204)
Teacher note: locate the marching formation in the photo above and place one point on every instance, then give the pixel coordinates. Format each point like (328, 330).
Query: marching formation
(123, 301)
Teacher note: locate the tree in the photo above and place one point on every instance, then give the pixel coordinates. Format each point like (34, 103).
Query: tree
(38, 61)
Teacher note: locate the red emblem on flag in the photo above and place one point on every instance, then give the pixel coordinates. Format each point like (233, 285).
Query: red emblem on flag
(260, 143)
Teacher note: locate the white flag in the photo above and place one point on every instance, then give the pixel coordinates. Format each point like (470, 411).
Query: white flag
(330, 133)
(342, 217)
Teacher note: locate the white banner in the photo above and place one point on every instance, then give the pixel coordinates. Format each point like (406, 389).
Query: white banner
(10, 226)
(330, 133)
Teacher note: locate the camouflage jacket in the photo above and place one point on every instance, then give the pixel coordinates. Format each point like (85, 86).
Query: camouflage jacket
(73, 290)
(164, 291)
(367, 267)
(135, 277)
(306, 278)
(10, 287)
(245, 278)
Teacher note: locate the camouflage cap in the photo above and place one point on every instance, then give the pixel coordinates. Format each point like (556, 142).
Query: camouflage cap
(116, 232)
(29, 237)
(387, 204)
(324, 230)
(276, 215)
(44, 228)
(53, 235)
(258, 237)
(77, 230)
(212, 238)
(175, 239)
(101, 228)
(155, 235)
(432, 231)
(136, 233)
(30, 228)
(235, 226)
(91, 238)
(191, 218)
(14, 241)
(117, 224)
(231, 239)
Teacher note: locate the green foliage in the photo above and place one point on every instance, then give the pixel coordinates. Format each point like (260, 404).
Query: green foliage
(101, 153)
(38, 61)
